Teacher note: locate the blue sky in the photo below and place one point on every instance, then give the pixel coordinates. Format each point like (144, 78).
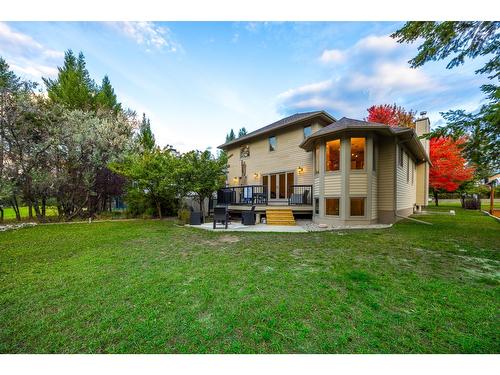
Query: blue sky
(196, 80)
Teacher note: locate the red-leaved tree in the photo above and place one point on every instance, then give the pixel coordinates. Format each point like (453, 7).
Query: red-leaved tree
(391, 115)
(449, 169)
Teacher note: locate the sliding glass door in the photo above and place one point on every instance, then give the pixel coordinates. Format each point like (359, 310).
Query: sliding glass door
(279, 185)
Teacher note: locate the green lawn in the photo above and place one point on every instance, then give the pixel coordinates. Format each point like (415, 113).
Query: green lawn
(150, 286)
(9, 213)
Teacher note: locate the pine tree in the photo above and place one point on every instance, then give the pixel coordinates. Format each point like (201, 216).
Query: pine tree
(230, 137)
(146, 137)
(242, 132)
(73, 86)
(106, 97)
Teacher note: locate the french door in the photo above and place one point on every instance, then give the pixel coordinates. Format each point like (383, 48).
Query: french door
(278, 185)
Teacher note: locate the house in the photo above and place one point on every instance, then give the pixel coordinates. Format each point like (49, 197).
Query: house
(341, 172)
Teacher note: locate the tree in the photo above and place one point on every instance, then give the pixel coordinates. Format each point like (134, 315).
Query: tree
(470, 39)
(449, 169)
(151, 173)
(201, 173)
(146, 138)
(230, 137)
(242, 132)
(73, 86)
(391, 115)
(106, 97)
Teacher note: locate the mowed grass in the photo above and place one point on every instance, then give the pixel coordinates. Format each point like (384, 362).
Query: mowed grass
(153, 287)
(9, 213)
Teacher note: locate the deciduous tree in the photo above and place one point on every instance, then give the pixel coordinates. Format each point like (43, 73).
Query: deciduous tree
(391, 115)
(449, 168)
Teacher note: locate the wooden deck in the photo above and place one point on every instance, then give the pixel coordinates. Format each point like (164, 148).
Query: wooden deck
(262, 208)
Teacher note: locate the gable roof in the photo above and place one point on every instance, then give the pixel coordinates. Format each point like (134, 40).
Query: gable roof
(280, 124)
(345, 124)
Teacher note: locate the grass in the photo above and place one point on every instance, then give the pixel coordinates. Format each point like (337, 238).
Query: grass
(154, 287)
(10, 215)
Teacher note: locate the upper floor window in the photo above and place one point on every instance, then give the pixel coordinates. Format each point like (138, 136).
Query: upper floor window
(358, 153)
(401, 157)
(333, 155)
(374, 157)
(272, 143)
(307, 131)
(316, 159)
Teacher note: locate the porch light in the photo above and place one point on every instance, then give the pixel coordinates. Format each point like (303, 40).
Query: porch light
(300, 170)
(256, 175)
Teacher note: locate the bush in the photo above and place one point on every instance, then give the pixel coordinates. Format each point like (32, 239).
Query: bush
(183, 216)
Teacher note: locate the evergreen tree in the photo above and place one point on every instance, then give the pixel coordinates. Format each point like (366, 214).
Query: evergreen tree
(146, 137)
(471, 39)
(230, 137)
(106, 97)
(73, 86)
(242, 132)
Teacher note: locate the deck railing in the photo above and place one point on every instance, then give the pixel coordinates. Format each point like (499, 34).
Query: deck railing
(300, 195)
(243, 195)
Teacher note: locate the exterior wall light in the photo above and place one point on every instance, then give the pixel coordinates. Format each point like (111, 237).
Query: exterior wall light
(300, 170)
(256, 175)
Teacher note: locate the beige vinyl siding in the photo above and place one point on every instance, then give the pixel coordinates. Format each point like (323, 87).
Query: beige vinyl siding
(333, 183)
(385, 175)
(374, 196)
(358, 184)
(288, 157)
(316, 187)
(406, 192)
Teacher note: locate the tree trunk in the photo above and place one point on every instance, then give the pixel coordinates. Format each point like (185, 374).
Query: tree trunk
(30, 210)
(436, 198)
(44, 207)
(37, 211)
(202, 201)
(1, 215)
(15, 206)
(158, 208)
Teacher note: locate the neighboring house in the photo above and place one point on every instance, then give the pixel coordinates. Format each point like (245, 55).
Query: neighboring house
(340, 172)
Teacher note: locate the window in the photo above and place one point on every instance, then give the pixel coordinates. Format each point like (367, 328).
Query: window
(307, 131)
(272, 143)
(316, 206)
(333, 155)
(357, 153)
(401, 156)
(357, 206)
(316, 159)
(332, 206)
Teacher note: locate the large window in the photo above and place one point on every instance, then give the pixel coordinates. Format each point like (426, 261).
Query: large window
(272, 143)
(357, 153)
(357, 206)
(401, 157)
(333, 155)
(316, 206)
(316, 159)
(332, 206)
(307, 131)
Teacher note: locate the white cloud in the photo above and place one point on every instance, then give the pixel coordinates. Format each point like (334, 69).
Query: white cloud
(332, 56)
(373, 70)
(26, 56)
(34, 70)
(149, 34)
(312, 88)
(380, 44)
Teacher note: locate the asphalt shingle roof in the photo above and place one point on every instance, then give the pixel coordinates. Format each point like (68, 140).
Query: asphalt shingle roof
(278, 125)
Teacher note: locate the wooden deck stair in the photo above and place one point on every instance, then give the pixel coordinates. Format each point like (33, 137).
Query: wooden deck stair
(279, 216)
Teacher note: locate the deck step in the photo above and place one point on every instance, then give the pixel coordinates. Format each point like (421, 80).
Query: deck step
(279, 217)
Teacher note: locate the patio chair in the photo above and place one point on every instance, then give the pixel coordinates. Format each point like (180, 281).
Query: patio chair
(221, 214)
(248, 217)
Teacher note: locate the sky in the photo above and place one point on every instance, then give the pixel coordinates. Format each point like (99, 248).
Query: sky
(197, 80)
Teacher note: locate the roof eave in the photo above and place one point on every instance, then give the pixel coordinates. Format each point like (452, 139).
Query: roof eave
(238, 141)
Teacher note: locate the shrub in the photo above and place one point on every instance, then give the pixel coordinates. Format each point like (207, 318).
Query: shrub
(183, 216)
